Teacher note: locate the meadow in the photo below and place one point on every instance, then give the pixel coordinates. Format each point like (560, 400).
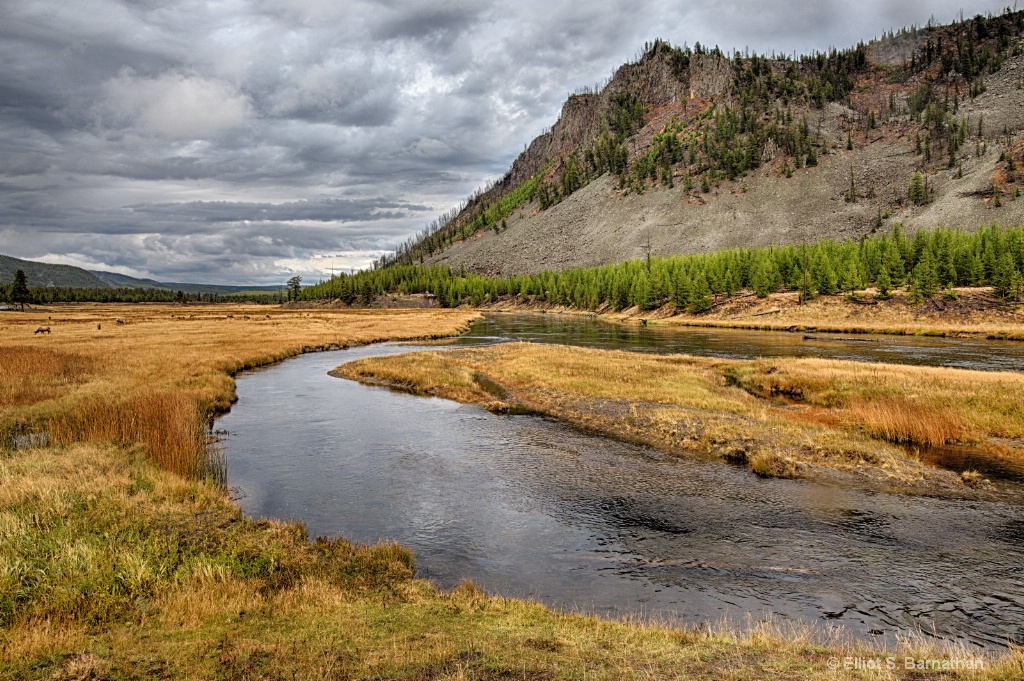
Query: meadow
(122, 556)
(784, 418)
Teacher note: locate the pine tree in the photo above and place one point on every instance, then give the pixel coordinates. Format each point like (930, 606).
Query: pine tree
(825, 279)
(640, 291)
(807, 290)
(764, 276)
(19, 290)
(884, 284)
(1005, 277)
(976, 274)
(851, 278)
(681, 289)
(700, 295)
(916, 192)
(893, 261)
(924, 281)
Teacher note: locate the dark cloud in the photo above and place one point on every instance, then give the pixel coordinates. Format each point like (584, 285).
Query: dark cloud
(243, 142)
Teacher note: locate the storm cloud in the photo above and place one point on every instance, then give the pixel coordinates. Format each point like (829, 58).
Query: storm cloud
(244, 142)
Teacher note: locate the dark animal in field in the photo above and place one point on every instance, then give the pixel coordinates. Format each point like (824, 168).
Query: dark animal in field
(99, 327)
(43, 329)
(230, 316)
(120, 321)
(245, 317)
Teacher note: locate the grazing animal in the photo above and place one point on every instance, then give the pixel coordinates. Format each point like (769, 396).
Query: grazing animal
(99, 327)
(268, 316)
(43, 329)
(120, 321)
(231, 316)
(245, 317)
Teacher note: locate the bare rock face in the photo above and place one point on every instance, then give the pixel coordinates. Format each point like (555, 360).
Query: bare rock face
(580, 121)
(865, 146)
(710, 76)
(584, 116)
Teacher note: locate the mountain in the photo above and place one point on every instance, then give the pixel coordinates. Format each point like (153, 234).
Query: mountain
(124, 281)
(690, 150)
(41, 274)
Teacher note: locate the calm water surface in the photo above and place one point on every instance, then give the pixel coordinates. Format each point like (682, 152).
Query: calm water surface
(526, 507)
(745, 344)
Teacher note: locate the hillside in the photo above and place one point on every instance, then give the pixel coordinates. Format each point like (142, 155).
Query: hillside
(124, 281)
(45, 275)
(41, 275)
(693, 150)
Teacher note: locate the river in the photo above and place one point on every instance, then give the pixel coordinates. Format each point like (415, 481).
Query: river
(524, 506)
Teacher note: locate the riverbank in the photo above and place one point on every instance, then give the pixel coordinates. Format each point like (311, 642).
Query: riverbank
(155, 373)
(974, 313)
(798, 418)
(117, 562)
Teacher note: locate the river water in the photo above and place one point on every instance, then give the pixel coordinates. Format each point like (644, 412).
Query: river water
(524, 506)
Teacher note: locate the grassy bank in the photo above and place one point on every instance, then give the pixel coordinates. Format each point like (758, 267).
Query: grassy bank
(112, 568)
(152, 374)
(797, 418)
(113, 564)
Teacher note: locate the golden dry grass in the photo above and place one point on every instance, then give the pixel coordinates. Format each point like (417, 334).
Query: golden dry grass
(156, 376)
(33, 374)
(784, 418)
(923, 405)
(111, 567)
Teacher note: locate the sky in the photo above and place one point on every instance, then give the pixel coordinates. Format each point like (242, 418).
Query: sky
(246, 141)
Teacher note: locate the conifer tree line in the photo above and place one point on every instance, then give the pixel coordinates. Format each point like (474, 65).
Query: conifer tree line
(60, 294)
(766, 114)
(930, 262)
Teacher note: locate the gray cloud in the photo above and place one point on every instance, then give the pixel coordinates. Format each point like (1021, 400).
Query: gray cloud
(324, 210)
(243, 142)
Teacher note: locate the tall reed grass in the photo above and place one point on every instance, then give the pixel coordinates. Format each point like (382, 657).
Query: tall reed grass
(168, 424)
(907, 423)
(29, 375)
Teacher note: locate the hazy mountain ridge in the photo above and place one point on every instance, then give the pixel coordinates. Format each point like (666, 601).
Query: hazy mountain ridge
(125, 281)
(690, 150)
(46, 275)
(41, 275)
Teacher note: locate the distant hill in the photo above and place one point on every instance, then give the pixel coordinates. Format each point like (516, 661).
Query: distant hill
(692, 150)
(44, 275)
(218, 289)
(124, 281)
(41, 275)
